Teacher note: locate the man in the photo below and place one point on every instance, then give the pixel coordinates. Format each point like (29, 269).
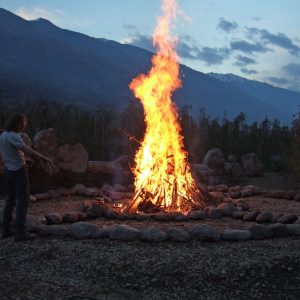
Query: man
(12, 150)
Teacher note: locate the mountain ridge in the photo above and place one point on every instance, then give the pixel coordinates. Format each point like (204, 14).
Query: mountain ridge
(71, 67)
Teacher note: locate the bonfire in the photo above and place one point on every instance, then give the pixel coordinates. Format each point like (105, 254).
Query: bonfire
(163, 179)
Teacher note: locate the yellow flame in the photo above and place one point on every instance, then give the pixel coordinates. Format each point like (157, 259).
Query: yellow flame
(162, 174)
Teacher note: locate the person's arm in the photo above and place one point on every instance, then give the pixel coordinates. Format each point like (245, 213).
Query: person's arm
(33, 153)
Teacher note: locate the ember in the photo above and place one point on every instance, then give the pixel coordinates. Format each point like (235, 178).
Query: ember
(162, 174)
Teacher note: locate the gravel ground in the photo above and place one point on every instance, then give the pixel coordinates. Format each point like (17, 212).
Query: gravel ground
(61, 268)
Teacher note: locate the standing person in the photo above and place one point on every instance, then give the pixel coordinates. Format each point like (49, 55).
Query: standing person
(12, 150)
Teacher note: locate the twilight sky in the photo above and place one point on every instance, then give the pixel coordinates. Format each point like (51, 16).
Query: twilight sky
(256, 39)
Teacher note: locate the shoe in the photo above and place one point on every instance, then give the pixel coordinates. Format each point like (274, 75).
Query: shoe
(6, 233)
(24, 237)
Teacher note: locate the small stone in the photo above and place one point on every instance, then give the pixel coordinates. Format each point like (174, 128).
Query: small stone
(142, 216)
(250, 216)
(279, 230)
(243, 206)
(31, 224)
(287, 219)
(115, 196)
(227, 200)
(179, 216)
(161, 216)
(204, 232)
(70, 217)
(246, 193)
(99, 210)
(78, 189)
(260, 231)
(214, 213)
(276, 216)
(197, 215)
(64, 191)
(111, 214)
(264, 217)
(54, 194)
(42, 196)
(219, 196)
(234, 195)
(102, 233)
(235, 235)
(293, 229)
(82, 216)
(221, 188)
(120, 188)
(124, 233)
(53, 218)
(238, 214)
(236, 188)
(153, 234)
(33, 199)
(90, 192)
(227, 208)
(55, 230)
(178, 235)
(82, 230)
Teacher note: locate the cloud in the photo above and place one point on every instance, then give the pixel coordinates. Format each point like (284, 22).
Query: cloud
(227, 26)
(248, 47)
(278, 80)
(187, 47)
(56, 16)
(279, 39)
(248, 72)
(244, 61)
(292, 70)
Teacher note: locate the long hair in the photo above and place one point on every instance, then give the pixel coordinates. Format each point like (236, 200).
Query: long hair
(14, 121)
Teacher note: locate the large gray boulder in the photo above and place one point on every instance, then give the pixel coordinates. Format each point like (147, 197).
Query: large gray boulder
(252, 166)
(214, 159)
(72, 158)
(45, 142)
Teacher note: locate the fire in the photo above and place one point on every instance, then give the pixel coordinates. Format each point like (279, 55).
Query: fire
(162, 173)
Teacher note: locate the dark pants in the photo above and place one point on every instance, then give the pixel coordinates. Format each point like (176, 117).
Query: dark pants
(17, 191)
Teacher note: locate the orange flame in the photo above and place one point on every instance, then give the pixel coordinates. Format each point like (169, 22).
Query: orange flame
(162, 173)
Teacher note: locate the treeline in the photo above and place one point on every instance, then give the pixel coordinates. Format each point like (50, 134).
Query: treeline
(107, 132)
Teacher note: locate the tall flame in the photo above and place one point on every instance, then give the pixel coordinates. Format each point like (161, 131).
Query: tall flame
(162, 173)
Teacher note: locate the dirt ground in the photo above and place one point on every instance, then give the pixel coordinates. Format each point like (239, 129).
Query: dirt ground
(62, 268)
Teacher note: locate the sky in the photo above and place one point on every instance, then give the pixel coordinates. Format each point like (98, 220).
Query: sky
(256, 39)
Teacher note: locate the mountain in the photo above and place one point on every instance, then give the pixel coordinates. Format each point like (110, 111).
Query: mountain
(282, 99)
(41, 60)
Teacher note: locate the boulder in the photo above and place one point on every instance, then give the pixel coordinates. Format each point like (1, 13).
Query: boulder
(197, 215)
(264, 217)
(42, 196)
(252, 166)
(45, 142)
(251, 216)
(77, 189)
(82, 230)
(233, 170)
(102, 233)
(55, 230)
(124, 233)
(287, 219)
(180, 217)
(72, 158)
(153, 234)
(64, 191)
(214, 213)
(70, 217)
(178, 235)
(260, 232)
(214, 159)
(276, 216)
(235, 235)
(238, 214)
(293, 229)
(204, 232)
(227, 209)
(53, 218)
(279, 230)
